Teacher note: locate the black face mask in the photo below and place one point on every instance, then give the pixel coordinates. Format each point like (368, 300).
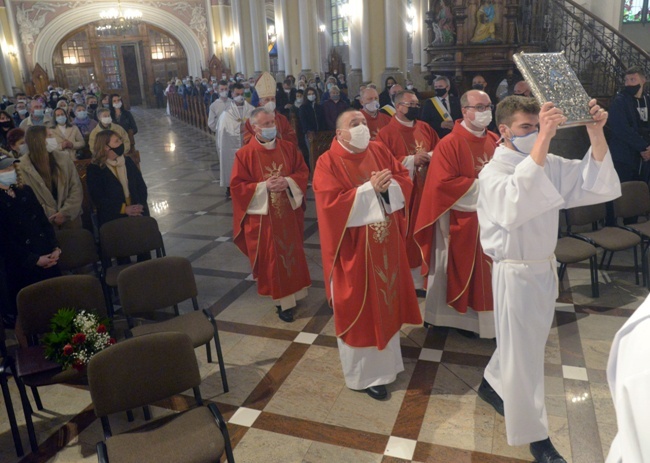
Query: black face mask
(6, 124)
(477, 86)
(92, 106)
(119, 150)
(440, 92)
(412, 114)
(631, 90)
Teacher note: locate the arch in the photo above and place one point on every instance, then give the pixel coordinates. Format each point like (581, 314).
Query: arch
(57, 29)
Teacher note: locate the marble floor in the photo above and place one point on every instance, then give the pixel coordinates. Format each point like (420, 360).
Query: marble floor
(287, 401)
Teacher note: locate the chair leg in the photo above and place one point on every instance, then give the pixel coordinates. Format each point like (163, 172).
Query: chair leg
(147, 412)
(129, 416)
(27, 409)
(636, 266)
(11, 415)
(593, 265)
(176, 312)
(217, 345)
(37, 398)
(561, 271)
(208, 352)
(602, 260)
(609, 262)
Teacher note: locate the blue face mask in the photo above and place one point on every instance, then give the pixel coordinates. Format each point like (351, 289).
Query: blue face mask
(8, 178)
(524, 144)
(39, 112)
(269, 133)
(81, 114)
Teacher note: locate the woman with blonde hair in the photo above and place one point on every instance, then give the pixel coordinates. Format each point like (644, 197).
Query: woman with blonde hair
(68, 136)
(53, 177)
(115, 183)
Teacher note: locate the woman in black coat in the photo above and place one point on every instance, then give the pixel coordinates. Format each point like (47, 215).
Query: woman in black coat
(115, 183)
(122, 117)
(384, 96)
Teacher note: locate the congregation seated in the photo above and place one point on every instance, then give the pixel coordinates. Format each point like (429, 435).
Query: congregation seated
(123, 118)
(105, 122)
(67, 135)
(83, 121)
(36, 116)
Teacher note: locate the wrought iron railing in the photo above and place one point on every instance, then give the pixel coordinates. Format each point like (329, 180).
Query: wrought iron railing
(598, 53)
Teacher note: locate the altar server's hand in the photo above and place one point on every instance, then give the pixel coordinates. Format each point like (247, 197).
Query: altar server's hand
(599, 115)
(380, 181)
(550, 118)
(422, 158)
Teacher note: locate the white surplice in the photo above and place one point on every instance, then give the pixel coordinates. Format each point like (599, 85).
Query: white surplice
(364, 367)
(518, 211)
(628, 375)
(216, 109)
(230, 137)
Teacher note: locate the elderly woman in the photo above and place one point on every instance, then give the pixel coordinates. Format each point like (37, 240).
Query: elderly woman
(68, 136)
(28, 244)
(83, 122)
(53, 177)
(115, 184)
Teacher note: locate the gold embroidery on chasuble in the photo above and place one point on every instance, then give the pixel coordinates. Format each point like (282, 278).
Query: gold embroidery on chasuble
(279, 200)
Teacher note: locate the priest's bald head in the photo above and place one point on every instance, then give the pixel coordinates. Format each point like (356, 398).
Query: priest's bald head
(476, 107)
(352, 131)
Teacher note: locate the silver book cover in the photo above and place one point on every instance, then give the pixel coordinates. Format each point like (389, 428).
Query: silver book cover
(551, 78)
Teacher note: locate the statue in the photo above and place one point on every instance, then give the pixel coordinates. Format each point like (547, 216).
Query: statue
(485, 23)
(444, 31)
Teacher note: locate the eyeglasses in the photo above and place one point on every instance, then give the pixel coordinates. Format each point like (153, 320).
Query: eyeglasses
(411, 105)
(480, 108)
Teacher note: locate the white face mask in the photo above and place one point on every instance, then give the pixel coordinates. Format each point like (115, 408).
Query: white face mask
(8, 178)
(270, 106)
(311, 97)
(106, 120)
(524, 144)
(359, 136)
(23, 149)
(238, 99)
(117, 105)
(372, 106)
(483, 119)
(51, 144)
(298, 101)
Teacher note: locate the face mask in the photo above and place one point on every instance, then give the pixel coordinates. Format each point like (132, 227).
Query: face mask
(329, 86)
(92, 106)
(223, 94)
(252, 84)
(311, 97)
(61, 120)
(8, 178)
(270, 106)
(22, 112)
(119, 150)
(372, 106)
(39, 112)
(51, 144)
(388, 86)
(524, 144)
(409, 87)
(483, 119)
(117, 105)
(359, 137)
(54, 97)
(106, 121)
(298, 101)
(269, 133)
(412, 114)
(335, 97)
(5, 124)
(78, 100)
(631, 90)
(287, 91)
(22, 101)
(301, 87)
(477, 86)
(105, 105)
(440, 92)
(239, 99)
(312, 85)
(81, 114)
(23, 149)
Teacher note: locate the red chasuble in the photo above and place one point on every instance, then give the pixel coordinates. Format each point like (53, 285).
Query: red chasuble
(375, 123)
(404, 141)
(455, 165)
(367, 266)
(285, 131)
(272, 242)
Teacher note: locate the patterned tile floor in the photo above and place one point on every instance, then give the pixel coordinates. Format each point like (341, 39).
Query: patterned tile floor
(288, 402)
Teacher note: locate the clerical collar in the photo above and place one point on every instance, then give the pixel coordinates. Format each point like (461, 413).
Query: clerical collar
(480, 133)
(269, 145)
(405, 124)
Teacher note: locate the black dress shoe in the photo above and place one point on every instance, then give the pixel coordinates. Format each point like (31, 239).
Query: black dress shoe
(377, 392)
(227, 192)
(285, 315)
(467, 334)
(544, 452)
(490, 396)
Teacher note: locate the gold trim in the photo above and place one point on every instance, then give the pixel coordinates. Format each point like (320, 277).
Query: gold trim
(470, 273)
(365, 293)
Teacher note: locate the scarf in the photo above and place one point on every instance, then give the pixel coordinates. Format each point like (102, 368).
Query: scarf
(118, 167)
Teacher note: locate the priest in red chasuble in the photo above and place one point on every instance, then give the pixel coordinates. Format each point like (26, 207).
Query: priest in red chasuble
(266, 90)
(362, 193)
(375, 119)
(268, 185)
(459, 281)
(412, 143)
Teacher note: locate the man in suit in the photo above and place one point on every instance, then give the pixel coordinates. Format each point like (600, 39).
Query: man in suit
(442, 110)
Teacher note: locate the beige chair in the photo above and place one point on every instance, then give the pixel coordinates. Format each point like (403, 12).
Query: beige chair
(37, 304)
(78, 250)
(144, 370)
(571, 250)
(147, 287)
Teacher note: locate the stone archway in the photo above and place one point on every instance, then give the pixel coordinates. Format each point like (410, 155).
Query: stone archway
(58, 28)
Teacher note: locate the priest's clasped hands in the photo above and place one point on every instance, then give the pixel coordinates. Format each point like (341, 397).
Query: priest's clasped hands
(380, 181)
(276, 184)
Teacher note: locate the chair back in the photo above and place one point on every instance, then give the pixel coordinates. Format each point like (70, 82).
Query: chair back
(634, 200)
(129, 236)
(142, 370)
(37, 303)
(78, 249)
(156, 284)
(585, 215)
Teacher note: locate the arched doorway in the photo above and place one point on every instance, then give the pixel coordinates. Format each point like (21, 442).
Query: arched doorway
(127, 62)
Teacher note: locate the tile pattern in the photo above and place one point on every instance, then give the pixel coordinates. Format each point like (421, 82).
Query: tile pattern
(288, 401)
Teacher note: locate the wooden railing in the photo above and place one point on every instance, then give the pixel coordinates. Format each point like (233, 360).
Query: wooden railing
(189, 109)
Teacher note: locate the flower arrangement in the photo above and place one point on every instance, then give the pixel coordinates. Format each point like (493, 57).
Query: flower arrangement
(76, 337)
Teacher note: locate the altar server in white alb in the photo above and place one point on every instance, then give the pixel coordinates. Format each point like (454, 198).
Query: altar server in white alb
(521, 192)
(628, 374)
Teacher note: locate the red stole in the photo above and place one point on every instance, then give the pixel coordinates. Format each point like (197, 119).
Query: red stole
(282, 124)
(406, 141)
(376, 123)
(367, 266)
(272, 242)
(456, 163)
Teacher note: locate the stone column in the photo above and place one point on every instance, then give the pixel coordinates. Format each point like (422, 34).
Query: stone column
(354, 77)
(309, 52)
(366, 67)
(394, 33)
(258, 29)
(281, 32)
(211, 32)
(25, 73)
(424, 35)
(226, 36)
(238, 37)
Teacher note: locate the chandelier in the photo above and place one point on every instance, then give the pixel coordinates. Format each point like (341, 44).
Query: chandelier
(117, 20)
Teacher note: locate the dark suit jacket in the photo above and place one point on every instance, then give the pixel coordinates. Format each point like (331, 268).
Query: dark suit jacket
(431, 116)
(107, 194)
